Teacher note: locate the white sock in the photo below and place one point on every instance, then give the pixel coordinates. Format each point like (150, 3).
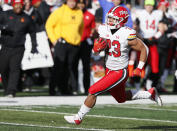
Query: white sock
(137, 85)
(83, 111)
(138, 94)
(148, 84)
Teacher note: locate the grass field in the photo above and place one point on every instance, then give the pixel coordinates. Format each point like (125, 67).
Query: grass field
(105, 117)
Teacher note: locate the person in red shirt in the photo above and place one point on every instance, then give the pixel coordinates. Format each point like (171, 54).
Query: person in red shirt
(86, 43)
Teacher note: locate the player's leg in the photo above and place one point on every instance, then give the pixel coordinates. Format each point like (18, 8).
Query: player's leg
(109, 81)
(154, 62)
(139, 94)
(119, 93)
(84, 109)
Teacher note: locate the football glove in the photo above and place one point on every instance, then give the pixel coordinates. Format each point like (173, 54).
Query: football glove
(137, 72)
(130, 70)
(99, 44)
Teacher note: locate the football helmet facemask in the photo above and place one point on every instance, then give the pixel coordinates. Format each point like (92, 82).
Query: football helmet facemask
(117, 17)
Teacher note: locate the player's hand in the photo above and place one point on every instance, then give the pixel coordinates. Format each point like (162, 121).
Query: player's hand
(34, 50)
(99, 44)
(6, 30)
(137, 72)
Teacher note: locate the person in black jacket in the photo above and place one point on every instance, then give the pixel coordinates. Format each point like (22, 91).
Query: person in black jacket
(14, 25)
(0, 8)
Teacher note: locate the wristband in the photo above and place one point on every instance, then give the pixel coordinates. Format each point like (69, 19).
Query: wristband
(141, 65)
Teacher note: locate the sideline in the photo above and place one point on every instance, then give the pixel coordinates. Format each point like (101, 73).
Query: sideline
(76, 100)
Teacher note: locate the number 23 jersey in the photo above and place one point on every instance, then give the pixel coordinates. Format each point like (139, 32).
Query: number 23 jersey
(117, 53)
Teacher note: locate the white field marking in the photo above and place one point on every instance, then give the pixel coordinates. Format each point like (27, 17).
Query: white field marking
(98, 116)
(56, 127)
(31, 107)
(143, 108)
(99, 106)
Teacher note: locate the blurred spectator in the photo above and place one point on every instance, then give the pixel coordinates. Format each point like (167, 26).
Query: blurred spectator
(54, 4)
(6, 5)
(128, 5)
(175, 78)
(28, 7)
(33, 76)
(33, 13)
(0, 7)
(13, 39)
(88, 3)
(172, 15)
(64, 28)
(44, 11)
(36, 3)
(39, 12)
(98, 11)
(108, 4)
(86, 43)
(163, 42)
(148, 24)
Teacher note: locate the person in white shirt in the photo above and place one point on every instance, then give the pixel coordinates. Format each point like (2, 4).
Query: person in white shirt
(148, 24)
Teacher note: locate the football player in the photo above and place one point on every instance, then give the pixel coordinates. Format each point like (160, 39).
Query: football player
(116, 39)
(148, 24)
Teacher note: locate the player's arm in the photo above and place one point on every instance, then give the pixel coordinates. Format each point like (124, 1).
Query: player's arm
(139, 45)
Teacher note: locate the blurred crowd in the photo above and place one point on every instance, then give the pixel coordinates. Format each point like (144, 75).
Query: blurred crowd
(71, 27)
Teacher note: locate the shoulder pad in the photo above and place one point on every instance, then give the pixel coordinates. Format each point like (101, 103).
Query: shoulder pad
(132, 34)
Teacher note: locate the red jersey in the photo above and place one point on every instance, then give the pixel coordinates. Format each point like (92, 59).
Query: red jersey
(89, 24)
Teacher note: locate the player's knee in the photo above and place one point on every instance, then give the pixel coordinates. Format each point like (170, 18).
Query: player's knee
(91, 91)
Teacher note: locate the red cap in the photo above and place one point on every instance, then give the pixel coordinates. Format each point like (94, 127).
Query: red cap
(163, 2)
(16, 2)
(35, 1)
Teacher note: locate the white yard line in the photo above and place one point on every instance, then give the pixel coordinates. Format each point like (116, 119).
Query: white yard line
(98, 116)
(56, 127)
(99, 106)
(143, 108)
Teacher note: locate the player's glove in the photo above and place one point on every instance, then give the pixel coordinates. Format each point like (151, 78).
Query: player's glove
(99, 44)
(137, 72)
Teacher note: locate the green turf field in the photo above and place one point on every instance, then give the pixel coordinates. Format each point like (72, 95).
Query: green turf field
(105, 117)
